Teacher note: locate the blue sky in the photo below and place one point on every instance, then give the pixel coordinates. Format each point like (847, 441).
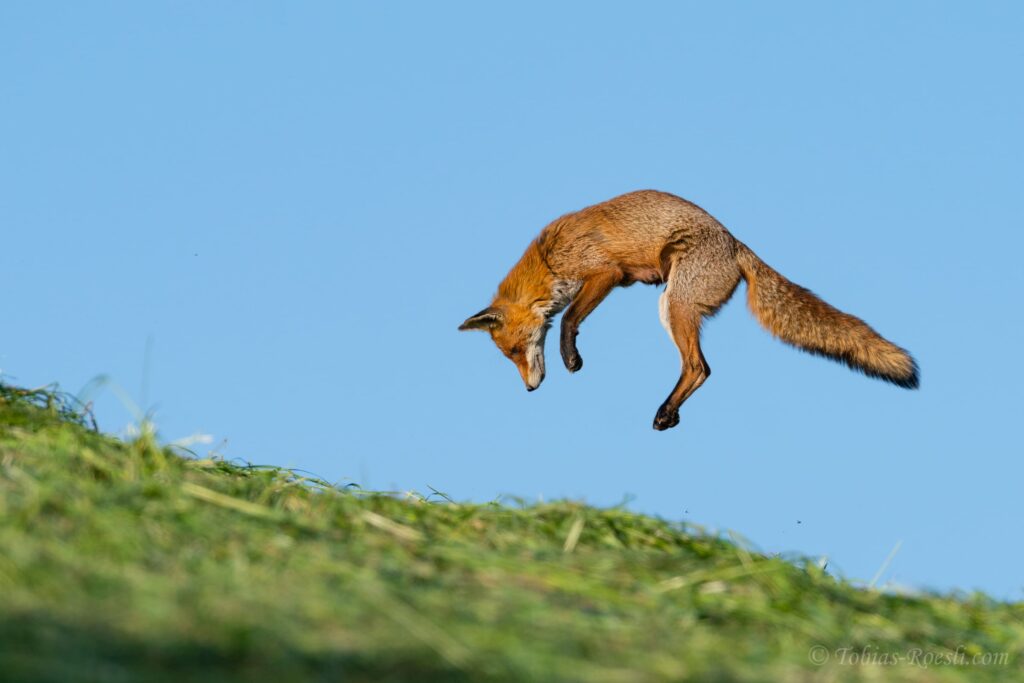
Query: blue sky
(294, 205)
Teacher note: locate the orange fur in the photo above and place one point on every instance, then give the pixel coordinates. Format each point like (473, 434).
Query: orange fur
(655, 237)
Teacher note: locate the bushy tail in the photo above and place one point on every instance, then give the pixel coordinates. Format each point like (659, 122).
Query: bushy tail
(798, 317)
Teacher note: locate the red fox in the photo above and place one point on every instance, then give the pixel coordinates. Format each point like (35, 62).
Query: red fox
(658, 238)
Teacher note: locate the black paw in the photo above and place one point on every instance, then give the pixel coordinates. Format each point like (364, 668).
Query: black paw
(572, 360)
(666, 419)
(570, 356)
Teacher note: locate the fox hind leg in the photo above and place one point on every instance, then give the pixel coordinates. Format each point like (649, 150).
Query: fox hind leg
(703, 276)
(682, 321)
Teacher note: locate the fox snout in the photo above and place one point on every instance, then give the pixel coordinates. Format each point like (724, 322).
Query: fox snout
(530, 364)
(532, 371)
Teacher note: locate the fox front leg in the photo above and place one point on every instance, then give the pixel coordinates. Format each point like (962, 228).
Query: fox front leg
(595, 288)
(570, 354)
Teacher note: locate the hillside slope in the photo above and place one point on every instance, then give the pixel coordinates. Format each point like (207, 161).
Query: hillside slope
(126, 562)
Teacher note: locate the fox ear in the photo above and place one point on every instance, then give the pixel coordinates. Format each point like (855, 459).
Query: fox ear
(488, 319)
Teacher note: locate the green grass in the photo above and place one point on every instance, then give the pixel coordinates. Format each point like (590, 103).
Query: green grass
(124, 561)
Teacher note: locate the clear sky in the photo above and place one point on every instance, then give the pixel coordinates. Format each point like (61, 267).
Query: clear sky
(298, 203)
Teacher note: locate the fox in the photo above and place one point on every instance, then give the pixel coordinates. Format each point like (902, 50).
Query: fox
(657, 238)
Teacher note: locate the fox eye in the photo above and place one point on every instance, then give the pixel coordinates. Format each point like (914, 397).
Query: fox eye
(515, 351)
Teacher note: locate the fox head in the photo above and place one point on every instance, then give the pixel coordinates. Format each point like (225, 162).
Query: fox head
(518, 331)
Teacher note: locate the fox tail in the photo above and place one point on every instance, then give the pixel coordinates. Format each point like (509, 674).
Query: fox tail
(798, 317)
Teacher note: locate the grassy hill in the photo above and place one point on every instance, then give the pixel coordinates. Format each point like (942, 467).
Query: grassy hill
(128, 562)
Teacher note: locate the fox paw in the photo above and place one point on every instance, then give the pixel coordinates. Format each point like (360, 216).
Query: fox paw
(570, 356)
(572, 360)
(666, 419)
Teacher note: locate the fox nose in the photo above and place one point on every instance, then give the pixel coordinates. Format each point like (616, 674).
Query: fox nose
(533, 387)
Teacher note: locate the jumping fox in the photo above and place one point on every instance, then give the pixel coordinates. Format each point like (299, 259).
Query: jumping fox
(658, 238)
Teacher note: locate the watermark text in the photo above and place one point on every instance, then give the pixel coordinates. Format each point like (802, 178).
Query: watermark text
(870, 655)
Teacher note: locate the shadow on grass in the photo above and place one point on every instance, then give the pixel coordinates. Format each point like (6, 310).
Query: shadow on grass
(36, 647)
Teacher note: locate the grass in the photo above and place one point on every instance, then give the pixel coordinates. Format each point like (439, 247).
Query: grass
(127, 561)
